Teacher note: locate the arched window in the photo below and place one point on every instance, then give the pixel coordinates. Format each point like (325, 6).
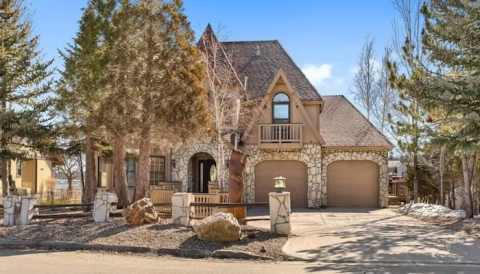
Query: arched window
(281, 109)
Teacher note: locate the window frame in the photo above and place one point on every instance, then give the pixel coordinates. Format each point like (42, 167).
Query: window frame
(281, 103)
(19, 168)
(127, 171)
(150, 180)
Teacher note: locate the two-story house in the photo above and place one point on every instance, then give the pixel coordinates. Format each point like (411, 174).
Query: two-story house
(329, 152)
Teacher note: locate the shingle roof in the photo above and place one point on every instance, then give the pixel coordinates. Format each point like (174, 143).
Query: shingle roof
(261, 69)
(341, 124)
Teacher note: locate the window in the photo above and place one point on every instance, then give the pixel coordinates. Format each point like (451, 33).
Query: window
(157, 169)
(102, 172)
(130, 172)
(19, 168)
(281, 109)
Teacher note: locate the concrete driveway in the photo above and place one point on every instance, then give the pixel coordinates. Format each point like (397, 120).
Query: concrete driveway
(372, 235)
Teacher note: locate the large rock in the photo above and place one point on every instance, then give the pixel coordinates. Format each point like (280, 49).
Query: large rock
(140, 212)
(220, 227)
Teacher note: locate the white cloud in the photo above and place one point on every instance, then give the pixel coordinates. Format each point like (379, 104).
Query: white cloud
(317, 74)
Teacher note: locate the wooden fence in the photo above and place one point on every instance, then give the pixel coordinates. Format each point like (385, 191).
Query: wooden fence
(202, 198)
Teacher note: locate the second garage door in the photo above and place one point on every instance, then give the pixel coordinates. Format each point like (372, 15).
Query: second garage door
(294, 171)
(352, 183)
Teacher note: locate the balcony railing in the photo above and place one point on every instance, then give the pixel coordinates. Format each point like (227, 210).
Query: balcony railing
(280, 135)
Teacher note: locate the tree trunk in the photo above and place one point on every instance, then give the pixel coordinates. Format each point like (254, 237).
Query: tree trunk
(468, 166)
(442, 171)
(90, 168)
(4, 172)
(236, 186)
(143, 164)
(453, 195)
(415, 178)
(119, 181)
(82, 178)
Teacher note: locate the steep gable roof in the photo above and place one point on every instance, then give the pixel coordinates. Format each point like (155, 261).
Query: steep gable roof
(261, 68)
(342, 125)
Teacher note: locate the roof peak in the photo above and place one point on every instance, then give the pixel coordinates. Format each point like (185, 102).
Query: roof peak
(252, 41)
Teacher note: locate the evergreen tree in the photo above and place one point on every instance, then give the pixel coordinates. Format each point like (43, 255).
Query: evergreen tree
(170, 82)
(79, 90)
(25, 79)
(118, 113)
(452, 77)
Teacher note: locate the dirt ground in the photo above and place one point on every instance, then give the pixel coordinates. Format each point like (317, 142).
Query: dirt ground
(161, 235)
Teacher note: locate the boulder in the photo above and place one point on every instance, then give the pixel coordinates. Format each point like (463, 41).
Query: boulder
(140, 212)
(219, 227)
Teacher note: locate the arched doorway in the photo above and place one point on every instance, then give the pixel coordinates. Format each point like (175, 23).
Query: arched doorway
(202, 164)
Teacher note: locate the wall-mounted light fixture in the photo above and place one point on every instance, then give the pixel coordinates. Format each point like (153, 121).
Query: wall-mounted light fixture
(174, 163)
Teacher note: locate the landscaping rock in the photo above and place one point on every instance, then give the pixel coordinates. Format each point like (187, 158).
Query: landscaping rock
(140, 212)
(220, 227)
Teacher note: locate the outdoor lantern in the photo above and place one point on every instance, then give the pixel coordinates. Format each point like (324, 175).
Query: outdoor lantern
(280, 183)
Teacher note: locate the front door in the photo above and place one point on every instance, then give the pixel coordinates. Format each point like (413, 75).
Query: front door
(204, 167)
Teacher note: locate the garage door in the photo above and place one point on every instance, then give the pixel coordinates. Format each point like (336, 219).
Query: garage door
(294, 171)
(352, 183)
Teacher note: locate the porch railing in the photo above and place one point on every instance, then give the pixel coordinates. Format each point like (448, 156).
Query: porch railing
(280, 135)
(203, 198)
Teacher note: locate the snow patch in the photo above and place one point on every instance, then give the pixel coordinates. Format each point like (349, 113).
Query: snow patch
(429, 210)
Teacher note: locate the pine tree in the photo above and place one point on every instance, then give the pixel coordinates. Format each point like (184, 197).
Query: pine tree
(452, 78)
(170, 82)
(79, 90)
(25, 79)
(118, 112)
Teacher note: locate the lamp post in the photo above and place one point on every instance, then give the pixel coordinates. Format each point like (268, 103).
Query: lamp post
(280, 183)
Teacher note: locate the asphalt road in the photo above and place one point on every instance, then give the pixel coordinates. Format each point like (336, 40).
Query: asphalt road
(46, 262)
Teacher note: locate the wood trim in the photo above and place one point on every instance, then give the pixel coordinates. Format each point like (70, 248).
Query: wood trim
(293, 96)
(355, 148)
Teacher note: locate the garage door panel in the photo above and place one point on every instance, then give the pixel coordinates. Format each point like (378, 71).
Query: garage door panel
(353, 183)
(294, 171)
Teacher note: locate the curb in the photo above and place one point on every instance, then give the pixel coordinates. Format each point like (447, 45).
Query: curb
(232, 254)
(186, 253)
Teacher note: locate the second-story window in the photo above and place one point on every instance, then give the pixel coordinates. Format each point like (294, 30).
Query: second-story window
(281, 109)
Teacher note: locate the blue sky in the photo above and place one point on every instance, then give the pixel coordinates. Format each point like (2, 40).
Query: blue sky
(323, 37)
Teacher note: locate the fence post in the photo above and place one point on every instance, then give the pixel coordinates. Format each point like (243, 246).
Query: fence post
(27, 209)
(181, 209)
(280, 211)
(10, 210)
(102, 206)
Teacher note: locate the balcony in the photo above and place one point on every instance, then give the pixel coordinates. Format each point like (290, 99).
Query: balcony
(280, 136)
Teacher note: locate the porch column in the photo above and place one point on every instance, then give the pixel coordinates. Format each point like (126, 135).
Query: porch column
(181, 208)
(27, 209)
(10, 210)
(280, 212)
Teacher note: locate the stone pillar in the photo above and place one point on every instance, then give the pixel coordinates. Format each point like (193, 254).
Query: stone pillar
(103, 205)
(11, 210)
(280, 212)
(181, 208)
(27, 209)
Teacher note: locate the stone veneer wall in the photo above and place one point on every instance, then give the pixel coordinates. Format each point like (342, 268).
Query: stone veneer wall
(379, 157)
(310, 155)
(183, 169)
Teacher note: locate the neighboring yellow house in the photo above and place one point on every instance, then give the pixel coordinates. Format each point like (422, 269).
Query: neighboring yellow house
(30, 174)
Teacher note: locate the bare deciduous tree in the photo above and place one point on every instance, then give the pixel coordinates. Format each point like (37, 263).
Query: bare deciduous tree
(364, 87)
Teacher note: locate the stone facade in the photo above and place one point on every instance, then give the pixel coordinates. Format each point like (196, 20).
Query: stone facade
(311, 155)
(102, 206)
(280, 211)
(379, 157)
(11, 210)
(182, 172)
(315, 158)
(181, 209)
(27, 209)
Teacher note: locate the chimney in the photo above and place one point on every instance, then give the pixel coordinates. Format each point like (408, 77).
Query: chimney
(257, 53)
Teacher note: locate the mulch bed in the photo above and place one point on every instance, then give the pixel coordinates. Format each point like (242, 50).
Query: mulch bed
(161, 235)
